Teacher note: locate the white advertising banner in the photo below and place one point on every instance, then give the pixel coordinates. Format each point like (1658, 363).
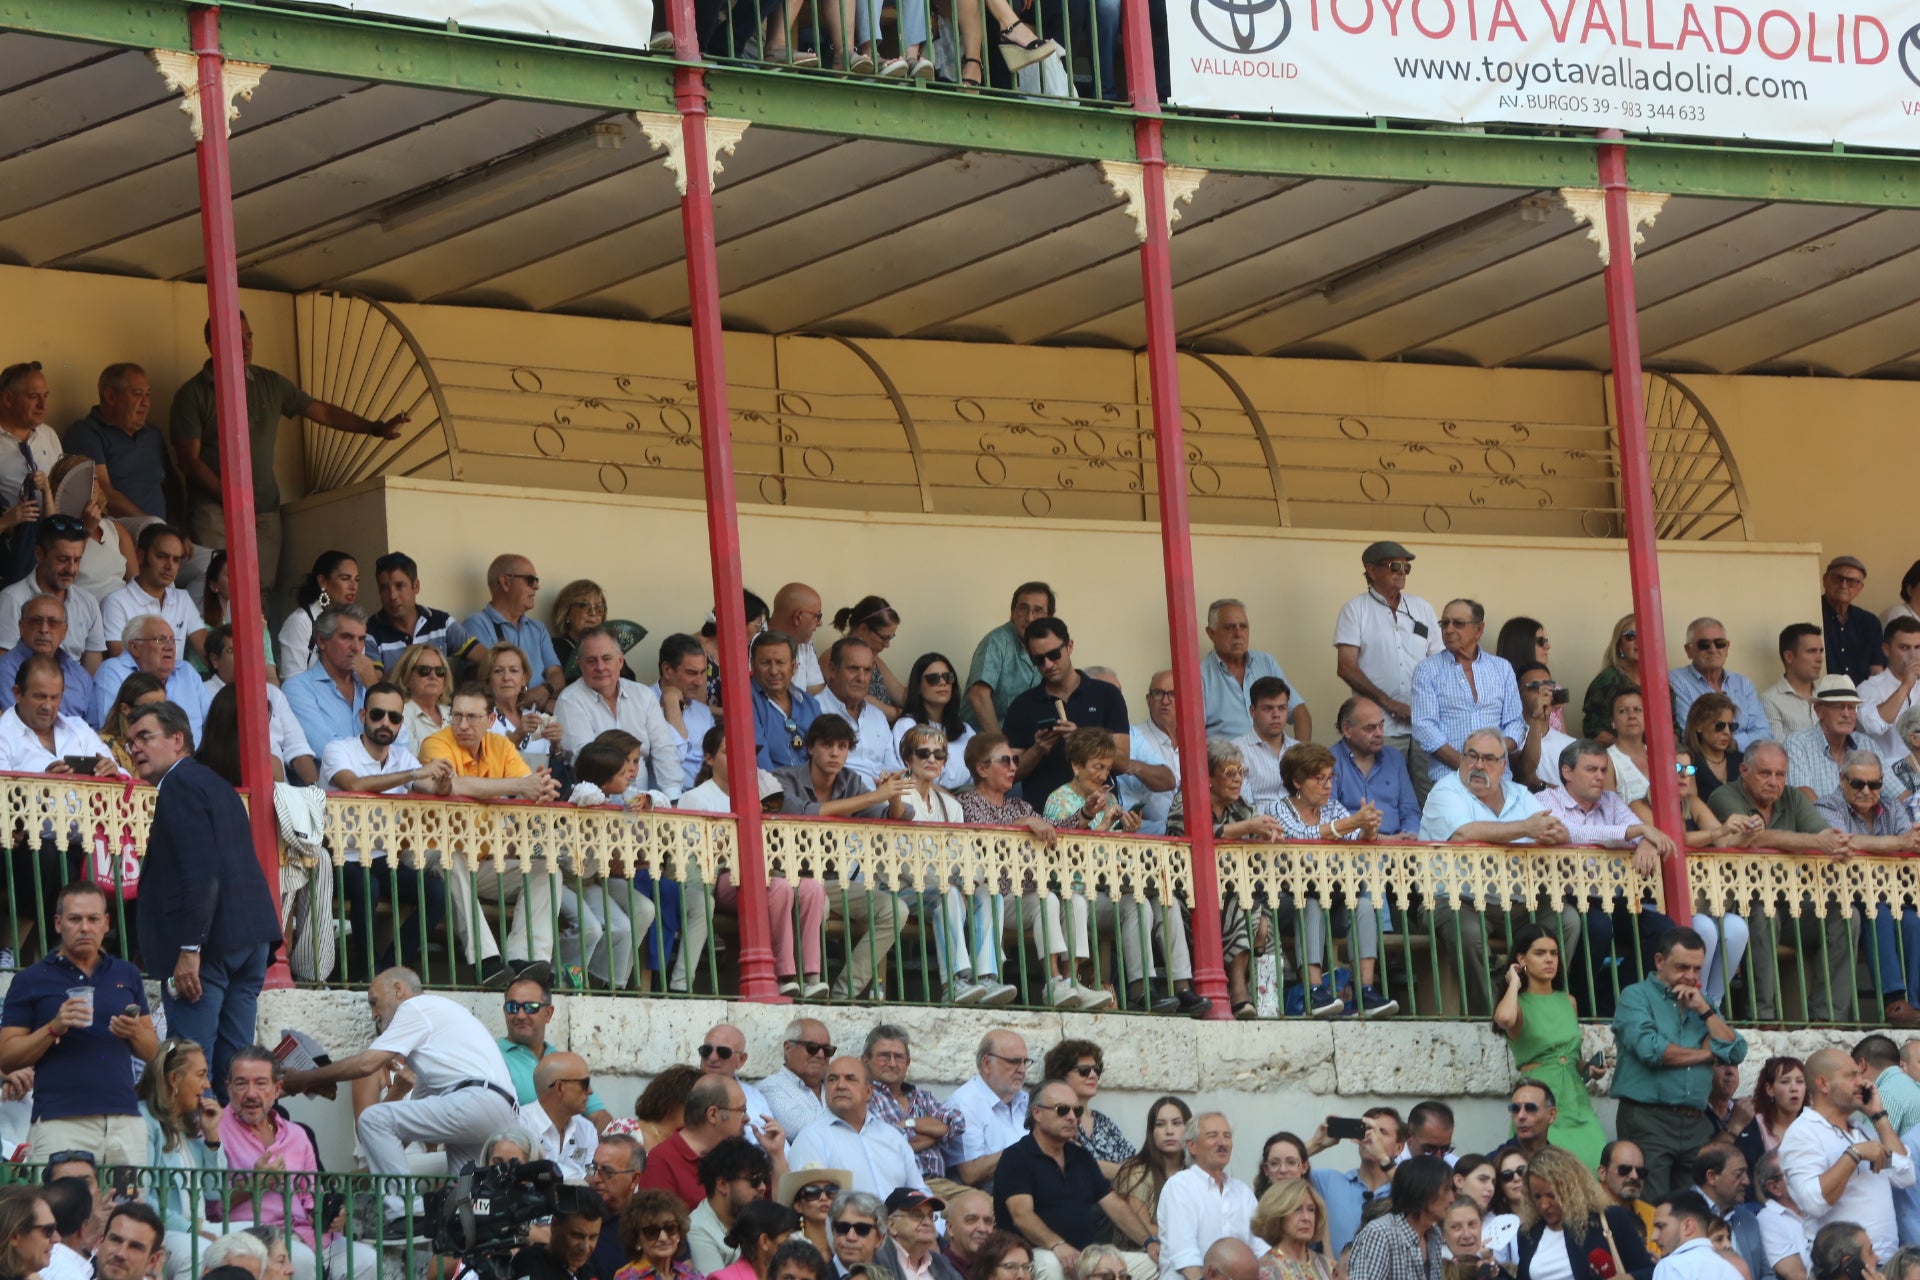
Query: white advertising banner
(1818, 71)
(625, 23)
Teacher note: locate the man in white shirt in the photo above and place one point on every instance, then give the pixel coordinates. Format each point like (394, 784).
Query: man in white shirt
(1202, 1203)
(1536, 765)
(1788, 702)
(796, 611)
(600, 700)
(878, 1155)
(1262, 747)
(994, 1103)
(57, 551)
(557, 1116)
(36, 738)
(462, 1093)
(682, 692)
(1885, 695)
(723, 1052)
(161, 549)
(1681, 1222)
(1836, 1170)
(1783, 1236)
(793, 1092)
(375, 762)
(850, 667)
(1382, 635)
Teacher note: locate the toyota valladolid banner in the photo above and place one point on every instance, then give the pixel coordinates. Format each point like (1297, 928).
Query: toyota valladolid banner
(1792, 70)
(626, 23)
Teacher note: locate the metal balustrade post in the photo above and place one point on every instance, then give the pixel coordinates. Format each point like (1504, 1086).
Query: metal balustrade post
(1176, 542)
(236, 451)
(757, 981)
(1636, 488)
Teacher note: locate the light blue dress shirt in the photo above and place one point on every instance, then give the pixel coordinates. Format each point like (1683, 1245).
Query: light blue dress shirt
(1750, 718)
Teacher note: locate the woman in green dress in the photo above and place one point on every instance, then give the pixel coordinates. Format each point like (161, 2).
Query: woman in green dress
(1543, 1032)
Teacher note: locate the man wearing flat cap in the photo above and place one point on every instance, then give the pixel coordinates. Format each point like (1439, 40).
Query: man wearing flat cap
(1381, 636)
(1853, 635)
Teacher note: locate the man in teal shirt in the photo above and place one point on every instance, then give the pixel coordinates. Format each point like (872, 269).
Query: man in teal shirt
(1669, 1038)
(1001, 670)
(529, 1008)
(1879, 1060)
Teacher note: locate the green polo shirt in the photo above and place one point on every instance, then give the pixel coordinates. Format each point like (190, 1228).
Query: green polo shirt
(1791, 812)
(1000, 661)
(1646, 1020)
(520, 1065)
(270, 397)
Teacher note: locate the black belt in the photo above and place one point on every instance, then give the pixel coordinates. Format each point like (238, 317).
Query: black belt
(1696, 1113)
(487, 1084)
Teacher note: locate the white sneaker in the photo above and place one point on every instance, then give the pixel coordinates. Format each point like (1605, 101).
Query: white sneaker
(1092, 998)
(963, 992)
(788, 987)
(997, 993)
(813, 990)
(1061, 994)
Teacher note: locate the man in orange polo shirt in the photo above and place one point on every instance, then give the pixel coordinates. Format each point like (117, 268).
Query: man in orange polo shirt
(487, 767)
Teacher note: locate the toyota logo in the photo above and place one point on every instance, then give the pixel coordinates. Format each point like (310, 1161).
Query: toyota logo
(1246, 22)
(1910, 53)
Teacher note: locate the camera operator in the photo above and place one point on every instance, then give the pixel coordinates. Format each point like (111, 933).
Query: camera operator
(1843, 1251)
(568, 1253)
(1836, 1171)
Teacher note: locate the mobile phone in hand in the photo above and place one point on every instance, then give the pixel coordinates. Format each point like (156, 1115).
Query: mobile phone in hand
(1341, 1127)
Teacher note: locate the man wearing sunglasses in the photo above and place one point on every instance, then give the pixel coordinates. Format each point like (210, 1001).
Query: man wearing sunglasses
(723, 1052)
(1533, 1109)
(374, 761)
(557, 1116)
(1623, 1175)
(1856, 807)
(1039, 721)
(1852, 635)
(1463, 689)
(528, 1011)
(1707, 648)
(734, 1174)
(512, 587)
(794, 1091)
(1047, 1188)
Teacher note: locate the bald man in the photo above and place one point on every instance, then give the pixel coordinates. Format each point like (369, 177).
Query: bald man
(797, 611)
(723, 1052)
(1231, 1259)
(557, 1116)
(512, 586)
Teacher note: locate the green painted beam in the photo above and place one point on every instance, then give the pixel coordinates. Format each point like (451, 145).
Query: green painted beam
(502, 66)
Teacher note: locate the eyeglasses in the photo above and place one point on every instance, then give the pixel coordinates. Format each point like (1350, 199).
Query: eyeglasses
(1483, 757)
(1002, 760)
(585, 1082)
(1531, 1108)
(1047, 659)
(1086, 1071)
(1159, 695)
(861, 1229)
(1535, 686)
(596, 1170)
(816, 1190)
(1721, 726)
(1846, 581)
(524, 1006)
(655, 1230)
(1396, 566)
(74, 1157)
(1021, 1063)
(1018, 1268)
(165, 642)
(48, 1229)
(937, 677)
(1455, 624)
(1685, 770)
(793, 735)
(1864, 784)
(1630, 1171)
(720, 1052)
(929, 753)
(1108, 1273)
(758, 1181)
(1712, 642)
(435, 673)
(1435, 1149)
(814, 1050)
(1065, 1109)
(375, 715)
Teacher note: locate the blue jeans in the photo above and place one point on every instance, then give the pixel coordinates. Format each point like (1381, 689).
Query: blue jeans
(656, 949)
(1896, 955)
(222, 1021)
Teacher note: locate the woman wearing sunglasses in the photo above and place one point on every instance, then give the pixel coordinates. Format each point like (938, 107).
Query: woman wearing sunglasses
(933, 698)
(810, 1193)
(422, 672)
(1709, 737)
(1081, 1065)
(651, 1228)
(1619, 666)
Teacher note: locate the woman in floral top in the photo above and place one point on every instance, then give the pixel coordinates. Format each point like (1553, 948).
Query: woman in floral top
(651, 1228)
(1311, 813)
(1080, 1064)
(1088, 802)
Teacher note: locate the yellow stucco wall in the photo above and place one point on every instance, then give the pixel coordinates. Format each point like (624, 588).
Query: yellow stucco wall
(950, 576)
(1081, 419)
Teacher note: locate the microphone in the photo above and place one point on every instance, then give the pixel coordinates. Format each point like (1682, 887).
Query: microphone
(1600, 1263)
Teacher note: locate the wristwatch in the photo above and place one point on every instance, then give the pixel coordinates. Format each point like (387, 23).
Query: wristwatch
(1877, 1116)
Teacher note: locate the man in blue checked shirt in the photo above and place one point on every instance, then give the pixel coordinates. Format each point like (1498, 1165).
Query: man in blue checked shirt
(1461, 689)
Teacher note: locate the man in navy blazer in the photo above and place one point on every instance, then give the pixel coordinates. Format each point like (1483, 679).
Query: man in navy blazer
(207, 920)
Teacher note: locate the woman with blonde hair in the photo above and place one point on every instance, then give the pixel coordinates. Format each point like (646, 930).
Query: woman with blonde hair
(422, 672)
(1619, 666)
(181, 1118)
(1292, 1218)
(580, 607)
(1565, 1221)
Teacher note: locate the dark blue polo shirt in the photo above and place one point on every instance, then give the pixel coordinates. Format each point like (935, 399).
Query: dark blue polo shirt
(89, 1070)
(137, 463)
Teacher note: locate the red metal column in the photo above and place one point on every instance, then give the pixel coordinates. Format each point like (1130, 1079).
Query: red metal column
(757, 980)
(236, 450)
(1176, 540)
(1623, 333)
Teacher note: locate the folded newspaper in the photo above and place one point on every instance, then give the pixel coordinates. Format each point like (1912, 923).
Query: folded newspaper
(299, 1051)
